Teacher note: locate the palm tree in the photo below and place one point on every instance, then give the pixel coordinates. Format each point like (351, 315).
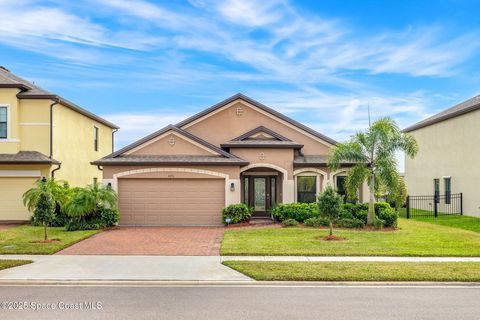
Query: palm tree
(90, 200)
(57, 189)
(373, 153)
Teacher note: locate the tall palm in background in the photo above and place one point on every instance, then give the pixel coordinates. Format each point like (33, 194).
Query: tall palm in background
(373, 152)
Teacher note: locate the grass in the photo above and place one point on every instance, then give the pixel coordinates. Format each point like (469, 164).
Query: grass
(414, 238)
(18, 240)
(461, 222)
(5, 264)
(358, 271)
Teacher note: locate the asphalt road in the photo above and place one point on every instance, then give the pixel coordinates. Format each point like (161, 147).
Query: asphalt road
(240, 302)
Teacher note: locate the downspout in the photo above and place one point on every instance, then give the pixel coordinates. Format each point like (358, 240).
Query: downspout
(113, 139)
(55, 102)
(56, 169)
(51, 126)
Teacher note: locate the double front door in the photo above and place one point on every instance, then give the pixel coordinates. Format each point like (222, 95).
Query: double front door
(260, 193)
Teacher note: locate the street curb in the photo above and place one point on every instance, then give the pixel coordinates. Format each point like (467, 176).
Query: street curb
(180, 283)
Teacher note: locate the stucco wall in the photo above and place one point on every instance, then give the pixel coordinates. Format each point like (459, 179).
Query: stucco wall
(225, 125)
(162, 146)
(279, 157)
(74, 146)
(448, 148)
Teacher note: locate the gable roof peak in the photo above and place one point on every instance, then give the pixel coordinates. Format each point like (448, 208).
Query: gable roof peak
(261, 106)
(260, 129)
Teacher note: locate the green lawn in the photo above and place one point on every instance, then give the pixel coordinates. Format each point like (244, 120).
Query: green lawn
(414, 238)
(17, 240)
(5, 264)
(461, 222)
(358, 271)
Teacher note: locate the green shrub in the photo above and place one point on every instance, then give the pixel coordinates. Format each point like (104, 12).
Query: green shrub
(317, 222)
(389, 216)
(346, 214)
(109, 217)
(74, 225)
(379, 206)
(350, 223)
(237, 213)
(297, 211)
(290, 223)
(378, 223)
(359, 211)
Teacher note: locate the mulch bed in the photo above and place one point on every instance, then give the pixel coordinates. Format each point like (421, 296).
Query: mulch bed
(332, 238)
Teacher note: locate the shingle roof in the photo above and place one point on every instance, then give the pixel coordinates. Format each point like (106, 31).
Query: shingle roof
(261, 144)
(259, 129)
(169, 160)
(32, 91)
(260, 106)
(26, 157)
(315, 160)
(469, 105)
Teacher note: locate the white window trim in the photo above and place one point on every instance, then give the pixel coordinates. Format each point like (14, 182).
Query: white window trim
(9, 123)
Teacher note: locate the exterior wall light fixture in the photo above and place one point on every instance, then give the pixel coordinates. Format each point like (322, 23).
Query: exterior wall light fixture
(232, 186)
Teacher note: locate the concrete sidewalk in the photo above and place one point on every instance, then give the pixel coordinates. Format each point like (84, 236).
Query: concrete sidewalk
(351, 259)
(82, 267)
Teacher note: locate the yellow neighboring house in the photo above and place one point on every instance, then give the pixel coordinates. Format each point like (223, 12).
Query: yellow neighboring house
(43, 135)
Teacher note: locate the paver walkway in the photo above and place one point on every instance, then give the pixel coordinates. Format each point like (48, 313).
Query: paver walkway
(164, 241)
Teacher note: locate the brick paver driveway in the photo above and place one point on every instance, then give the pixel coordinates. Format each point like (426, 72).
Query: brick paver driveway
(178, 241)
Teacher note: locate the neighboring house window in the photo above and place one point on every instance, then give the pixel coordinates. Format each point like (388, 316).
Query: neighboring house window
(448, 190)
(95, 138)
(436, 189)
(341, 186)
(3, 123)
(306, 189)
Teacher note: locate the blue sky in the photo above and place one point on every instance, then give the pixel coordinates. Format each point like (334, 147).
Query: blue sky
(145, 64)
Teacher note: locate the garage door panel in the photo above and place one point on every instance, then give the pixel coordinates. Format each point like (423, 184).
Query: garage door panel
(171, 201)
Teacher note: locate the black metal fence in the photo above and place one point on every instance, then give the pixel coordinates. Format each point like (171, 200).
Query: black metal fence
(434, 206)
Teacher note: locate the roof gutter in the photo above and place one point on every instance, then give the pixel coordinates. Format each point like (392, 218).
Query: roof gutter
(55, 102)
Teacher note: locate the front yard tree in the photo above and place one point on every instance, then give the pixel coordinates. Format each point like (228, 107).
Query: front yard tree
(45, 211)
(373, 152)
(330, 205)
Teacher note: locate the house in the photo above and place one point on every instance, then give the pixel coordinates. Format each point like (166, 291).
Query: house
(448, 154)
(238, 150)
(43, 135)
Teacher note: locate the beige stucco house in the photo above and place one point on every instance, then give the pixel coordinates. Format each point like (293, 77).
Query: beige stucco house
(448, 155)
(42, 135)
(238, 150)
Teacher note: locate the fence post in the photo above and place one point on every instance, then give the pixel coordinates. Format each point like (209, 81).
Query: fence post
(408, 207)
(435, 206)
(461, 203)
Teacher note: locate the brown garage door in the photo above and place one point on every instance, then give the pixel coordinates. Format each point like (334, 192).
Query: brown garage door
(170, 202)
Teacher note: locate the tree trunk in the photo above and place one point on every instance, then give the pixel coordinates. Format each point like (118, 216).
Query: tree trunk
(331, 228)
(45, 237)
(371, 203)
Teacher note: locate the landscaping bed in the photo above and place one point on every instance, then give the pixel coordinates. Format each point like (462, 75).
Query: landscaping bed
(413, 238)
(5, 264)
(358, 271)
(28, 239)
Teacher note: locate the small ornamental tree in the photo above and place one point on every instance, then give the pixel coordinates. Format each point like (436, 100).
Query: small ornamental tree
(330, 205)
(45, 211)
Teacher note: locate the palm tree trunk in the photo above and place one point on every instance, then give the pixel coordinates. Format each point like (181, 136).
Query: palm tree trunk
(45, 235)
(331, 228)
(371, 203)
